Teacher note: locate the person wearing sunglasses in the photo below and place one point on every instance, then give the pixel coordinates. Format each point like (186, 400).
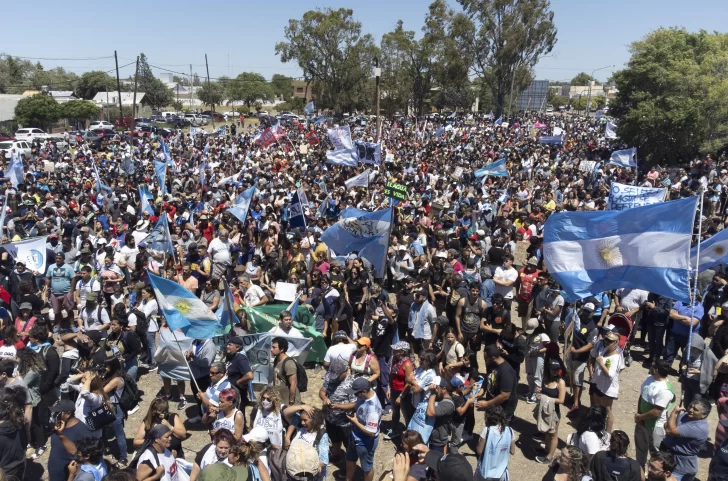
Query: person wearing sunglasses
(607, 364)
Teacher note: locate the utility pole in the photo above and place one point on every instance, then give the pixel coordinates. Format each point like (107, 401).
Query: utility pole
(190, 87)
(118, 87)
(177, 92)
(133, 102)
(209, 88)
(377, 75)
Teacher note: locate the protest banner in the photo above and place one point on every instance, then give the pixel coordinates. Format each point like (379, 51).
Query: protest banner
(257, 348)
(395, 191)
(285, 291)
(458, 173)
(368, 152)
(263, 318)
(587, 165)
(623, 197)
(521, 255)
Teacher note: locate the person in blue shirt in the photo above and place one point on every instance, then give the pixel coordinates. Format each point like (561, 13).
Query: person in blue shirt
(685, 321)
(364, 437)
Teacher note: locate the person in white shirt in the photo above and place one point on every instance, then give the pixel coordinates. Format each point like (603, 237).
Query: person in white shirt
(401, 263)
(219, 250)
(505, 277)
(285, 326)
(148, 305)
(129, 252)
(338, 355)
(254, 295)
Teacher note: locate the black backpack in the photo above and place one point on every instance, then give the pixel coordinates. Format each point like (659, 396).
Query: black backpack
(301, 377)
(142, 324)
(130, 396)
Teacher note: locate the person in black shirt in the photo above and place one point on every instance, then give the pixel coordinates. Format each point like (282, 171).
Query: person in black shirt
(496, 318)
(513, 347)
(500, 383)
(383, 329)
(405, 298)
(238, 370)
(613, 464)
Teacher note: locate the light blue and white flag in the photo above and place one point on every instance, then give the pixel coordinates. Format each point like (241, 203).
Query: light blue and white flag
(240, 208)
(144, 196)
(196, 130)
(203, 179)
(642, 248)
(321, 210)
(345, 157)
(100, 186)
(340, 138)
(127, 165)
(611, 131)
(297, 219)
(15, 170)
(159, 238)
(222, 130)
(364, 232)
(32, 252)
(495, 169)
(368, 152)
(713, 251)
(490, 115)
(165, 151)
(320, 120)
(440, 131)
(499, 120)
(183, 310)
(361, 180)
(309, 108)
(160, 172)
(624, 158)
(3, 214)
(598, 115)
(225, 314)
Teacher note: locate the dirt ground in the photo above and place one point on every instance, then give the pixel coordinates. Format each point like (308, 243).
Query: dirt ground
(522, 464)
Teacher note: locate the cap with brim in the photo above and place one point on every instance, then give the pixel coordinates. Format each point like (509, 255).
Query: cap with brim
(611, 335)
(92, 296)
(401, 346)
(238, 341)
(441, 255)
(359, 384)
(450, 467)
(588, 306)
(339, 335)
(364, 341)
(95, 336)
(26, 305)
(457, 381)
(531, 325)
(63, 406)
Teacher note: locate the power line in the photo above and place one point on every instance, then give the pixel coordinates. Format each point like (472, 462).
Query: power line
(46, 58)
(114, 69)
(225, 79)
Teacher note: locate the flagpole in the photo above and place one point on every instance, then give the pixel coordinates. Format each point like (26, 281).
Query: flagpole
(184, 356)
(694, 288)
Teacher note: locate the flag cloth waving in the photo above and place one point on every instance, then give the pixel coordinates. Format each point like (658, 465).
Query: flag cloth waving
(713, 251)
(32, 252)
(495, 169)
(641, 248)
(159, 238)
(242, 204)
(364, 232)
(183, 310)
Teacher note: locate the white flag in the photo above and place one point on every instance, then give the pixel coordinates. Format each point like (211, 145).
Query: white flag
(361, 180)
(611, 132)
(31, 252)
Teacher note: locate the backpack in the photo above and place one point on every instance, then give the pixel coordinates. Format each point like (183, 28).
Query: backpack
(525, 293)
(142, 324)
(301, 377)
(130, 396)
(43, 353)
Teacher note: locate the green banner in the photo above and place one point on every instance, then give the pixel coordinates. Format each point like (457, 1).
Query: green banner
(395, 191)
(263, 318)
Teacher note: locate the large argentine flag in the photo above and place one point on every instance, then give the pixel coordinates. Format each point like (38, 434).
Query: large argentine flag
(495, 169)
(183, 310)
(642, 248)
(713, 251)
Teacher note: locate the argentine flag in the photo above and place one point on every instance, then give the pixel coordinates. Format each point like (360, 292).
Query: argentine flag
(713, 251)
(183, 310)
(624, 158)
(641, 248)
(496, 169)
(240, 208)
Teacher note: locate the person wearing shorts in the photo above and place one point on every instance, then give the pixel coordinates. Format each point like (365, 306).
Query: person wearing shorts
(584, 338)
(608, 363)
(364, 437)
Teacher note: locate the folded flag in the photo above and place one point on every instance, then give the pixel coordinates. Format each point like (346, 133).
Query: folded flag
(183, 310)
(641, 248)
(308, 108)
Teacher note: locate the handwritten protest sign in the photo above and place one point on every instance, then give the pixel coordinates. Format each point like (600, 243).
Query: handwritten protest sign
(395, 191)
(587, 166)
(623, 197)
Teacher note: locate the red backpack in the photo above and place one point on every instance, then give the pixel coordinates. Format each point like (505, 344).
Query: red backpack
(528, 280)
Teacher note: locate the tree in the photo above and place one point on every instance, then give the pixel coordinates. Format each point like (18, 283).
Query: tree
(94, 82)
(455, 97)
(579, 103)
(329, 47)
(196, 80)
(37, 111)
(598, 102)
(154, 89)
(248, 87)
(177, 106)
(211, 94)
(282, 86)
(559, 100)
(672, 100)
(509, 37)
(182, 80)
(78, 110)
(582, 78)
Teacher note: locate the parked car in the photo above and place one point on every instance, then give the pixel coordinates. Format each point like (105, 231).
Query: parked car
(100, 124)
(262, 113)
(60, 142)
(213, 115)
(21, 146)
(193, 119)
(142, 121)
(4, 136)
(30, 134)
(206, 119)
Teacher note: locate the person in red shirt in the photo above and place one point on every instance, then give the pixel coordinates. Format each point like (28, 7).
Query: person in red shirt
(525, 283)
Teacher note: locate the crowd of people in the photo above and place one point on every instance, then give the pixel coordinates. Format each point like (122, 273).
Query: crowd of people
(464, 308)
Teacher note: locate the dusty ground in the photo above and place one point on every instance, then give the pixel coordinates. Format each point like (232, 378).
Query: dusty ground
(522, 465)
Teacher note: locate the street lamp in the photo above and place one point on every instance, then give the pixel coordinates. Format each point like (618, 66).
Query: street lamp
(378, 74)
(588, 98)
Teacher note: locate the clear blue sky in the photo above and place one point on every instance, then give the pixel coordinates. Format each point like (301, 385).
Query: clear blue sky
(242, 34)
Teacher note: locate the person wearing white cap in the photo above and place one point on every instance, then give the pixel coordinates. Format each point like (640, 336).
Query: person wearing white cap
(537, 341)
(401, 263)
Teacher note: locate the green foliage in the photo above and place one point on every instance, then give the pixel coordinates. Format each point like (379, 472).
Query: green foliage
(507, 40)
(156, 91)
(295, 105)
(79, 110)
(37, 111)
(282, 86)
(177, 105)
(582, 78)
(558, 100)
(672, 102)
(248, 87)
(329, 47)
(579, 103)
(17, 76)
(598, 101)
(455, 97)
(94, 82)
(211, 94)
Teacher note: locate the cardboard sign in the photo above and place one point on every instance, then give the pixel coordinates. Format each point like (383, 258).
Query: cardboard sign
(395, 191)
(285, 291)
(521, 254)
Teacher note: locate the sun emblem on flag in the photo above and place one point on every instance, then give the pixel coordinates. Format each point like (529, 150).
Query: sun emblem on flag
(183, 306)
(719, 250)
(608, 253)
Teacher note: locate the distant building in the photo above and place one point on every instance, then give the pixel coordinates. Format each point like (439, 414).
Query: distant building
(7, 106)
(111, 99)
(62, 96)
(300, 91)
